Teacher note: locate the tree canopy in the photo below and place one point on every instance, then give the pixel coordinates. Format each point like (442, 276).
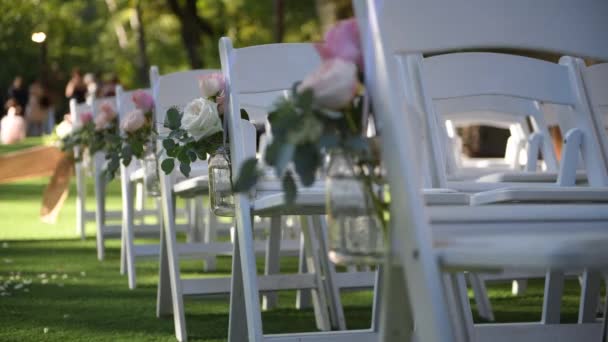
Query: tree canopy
(124, 37)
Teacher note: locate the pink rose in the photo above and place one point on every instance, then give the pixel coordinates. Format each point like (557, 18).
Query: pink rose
(333, 84)
(104, 118)
(133, 121)
(342, 41)
(107, 109)
(143, 100)
(211, 84)
(86, 117)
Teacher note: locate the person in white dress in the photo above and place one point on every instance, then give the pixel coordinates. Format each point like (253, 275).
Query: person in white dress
(13, 125)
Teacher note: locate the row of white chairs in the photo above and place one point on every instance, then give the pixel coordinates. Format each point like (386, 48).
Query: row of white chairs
(459, 223)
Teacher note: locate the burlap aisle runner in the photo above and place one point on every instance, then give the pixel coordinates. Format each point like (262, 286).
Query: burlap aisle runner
(39, 162)
(57, 191)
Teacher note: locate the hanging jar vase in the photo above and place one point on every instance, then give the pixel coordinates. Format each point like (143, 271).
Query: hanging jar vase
(220, 184)
(355, 232)
(151, 179)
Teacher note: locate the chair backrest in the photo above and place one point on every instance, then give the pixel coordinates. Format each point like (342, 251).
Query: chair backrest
(445, 77)
(595, 78)
(77, 109)
(97, 102)
(256, 77)
(124, 101)
(499, 111)
(175, 90)
(400, 31)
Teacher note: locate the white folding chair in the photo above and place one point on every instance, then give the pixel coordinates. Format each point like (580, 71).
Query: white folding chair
(82, 216)
(402, 31)
(250, 72)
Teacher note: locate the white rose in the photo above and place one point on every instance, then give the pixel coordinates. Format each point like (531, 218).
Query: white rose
(201, 118)
(63, 129)
(333, 84)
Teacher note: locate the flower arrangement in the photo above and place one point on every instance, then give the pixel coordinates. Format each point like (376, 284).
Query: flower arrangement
(76, 135)
(137, 126)
(198, 130)
(328, 114)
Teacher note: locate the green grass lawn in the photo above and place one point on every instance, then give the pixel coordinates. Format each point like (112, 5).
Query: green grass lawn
(54, 289)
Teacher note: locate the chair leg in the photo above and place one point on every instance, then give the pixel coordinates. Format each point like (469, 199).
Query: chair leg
(246, 254)
(302, 296)
(100, 213)
(396, 316)
(272, 264)
(209, 236)
(336, 311)
(519, 287)
(554, 289)
(130, 242)
(605, 320)
(376, 308)
(590, 293)
(237, 323)
(319, 294)
(484, 307)
(163, 296)
(460, 312)
(179, 317)
(80, 201)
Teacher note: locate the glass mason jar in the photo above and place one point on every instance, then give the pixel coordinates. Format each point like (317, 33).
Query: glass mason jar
(151, 179)
(355, 232)
(220, 184)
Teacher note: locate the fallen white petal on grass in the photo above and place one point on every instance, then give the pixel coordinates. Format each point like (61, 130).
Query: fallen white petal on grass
(18, 287)
(44, 281)
(7, 261)
(64, 276)
(45, 330)
(5, 245)
(83, 274)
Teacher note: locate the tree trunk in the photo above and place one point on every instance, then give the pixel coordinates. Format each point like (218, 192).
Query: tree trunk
(192, 29)
(143, 63)
(279, 20)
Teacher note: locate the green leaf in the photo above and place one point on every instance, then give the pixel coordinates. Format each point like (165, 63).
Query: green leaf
(307, 160)
(182, 155)
(290, 188)
(177, 134)
(169, 144)
(138, 148)
(167, 165)
(192, 154)
(185, 169)
(173, 119)
(248, 176)
(127, 155)
(305, 99)
(114, 163)
(279, 155)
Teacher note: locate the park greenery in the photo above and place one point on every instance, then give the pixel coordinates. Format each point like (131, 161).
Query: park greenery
(125, 37)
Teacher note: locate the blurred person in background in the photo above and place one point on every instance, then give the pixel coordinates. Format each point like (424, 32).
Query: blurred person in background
(76, 88)
(13, 125)
(91, 83)
(37, 110)
(18, 92)
(109, 86)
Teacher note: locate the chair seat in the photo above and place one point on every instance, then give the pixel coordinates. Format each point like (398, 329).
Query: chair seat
(138, 175)
(545, 195)
(516, 212)
(475, 187)
(192, 186)
(525, 177)
(561, 251)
